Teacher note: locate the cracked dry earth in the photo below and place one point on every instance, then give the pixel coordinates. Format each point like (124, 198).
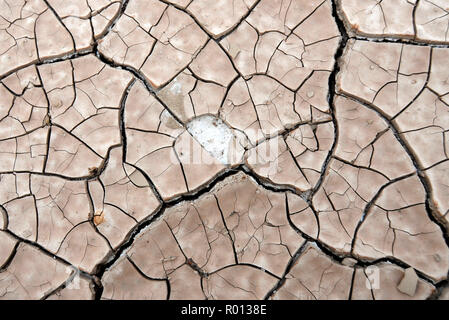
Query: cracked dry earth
(103, 101)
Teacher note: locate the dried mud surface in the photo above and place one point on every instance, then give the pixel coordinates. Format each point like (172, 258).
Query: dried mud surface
(105, 104)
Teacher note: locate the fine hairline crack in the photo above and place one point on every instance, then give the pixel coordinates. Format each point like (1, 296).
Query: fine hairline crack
(129, 240)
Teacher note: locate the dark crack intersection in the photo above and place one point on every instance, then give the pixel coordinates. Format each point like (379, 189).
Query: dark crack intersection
(224, 149)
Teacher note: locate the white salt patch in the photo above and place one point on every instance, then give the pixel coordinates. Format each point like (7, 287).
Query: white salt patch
(213, 135)
(409, 282)
(176, 87)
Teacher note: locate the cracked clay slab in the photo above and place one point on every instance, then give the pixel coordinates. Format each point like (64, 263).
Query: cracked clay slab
(224, 150)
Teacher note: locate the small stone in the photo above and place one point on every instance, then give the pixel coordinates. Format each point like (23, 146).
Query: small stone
(46, 121)
(371, 67)
(310, 94)
(409, 282)
(99, 218)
